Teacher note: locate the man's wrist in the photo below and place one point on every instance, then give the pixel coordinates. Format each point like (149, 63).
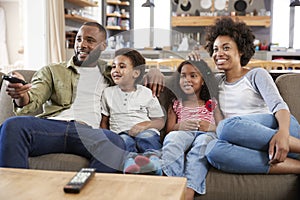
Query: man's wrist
(16, 105)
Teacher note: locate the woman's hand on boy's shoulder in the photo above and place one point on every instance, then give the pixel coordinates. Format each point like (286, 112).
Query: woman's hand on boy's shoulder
(155, 80)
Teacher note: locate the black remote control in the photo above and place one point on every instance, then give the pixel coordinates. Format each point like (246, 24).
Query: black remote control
(79, 180)
(13, 79)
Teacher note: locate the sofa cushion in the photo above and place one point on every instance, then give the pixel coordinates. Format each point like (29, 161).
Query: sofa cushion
(58, 162)
(226, 186)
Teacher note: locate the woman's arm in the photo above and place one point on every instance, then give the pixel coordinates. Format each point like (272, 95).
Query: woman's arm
(218, 114)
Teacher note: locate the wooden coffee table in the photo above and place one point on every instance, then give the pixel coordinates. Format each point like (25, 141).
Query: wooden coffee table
(41, 184)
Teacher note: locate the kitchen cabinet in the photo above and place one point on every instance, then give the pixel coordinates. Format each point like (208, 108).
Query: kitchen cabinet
(118, 16)
(193, 21)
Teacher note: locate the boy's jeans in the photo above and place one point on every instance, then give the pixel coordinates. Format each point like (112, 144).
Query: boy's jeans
(146, 142)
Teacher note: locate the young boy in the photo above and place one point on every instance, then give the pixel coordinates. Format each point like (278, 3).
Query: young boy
(131, 110)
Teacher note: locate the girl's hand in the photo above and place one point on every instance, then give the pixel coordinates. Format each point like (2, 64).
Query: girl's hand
(278, 147)
(189, 125)
(206, 126)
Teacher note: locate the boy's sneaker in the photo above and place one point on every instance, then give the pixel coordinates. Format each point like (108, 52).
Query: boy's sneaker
(149, 165)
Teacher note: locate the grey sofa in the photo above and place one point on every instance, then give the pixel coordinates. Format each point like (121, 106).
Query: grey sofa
(220, 185)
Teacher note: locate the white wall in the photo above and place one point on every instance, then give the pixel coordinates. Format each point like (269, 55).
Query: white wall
(35, 33)
(26, 26)
(14, 34)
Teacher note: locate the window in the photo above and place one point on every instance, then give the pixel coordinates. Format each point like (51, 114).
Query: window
(161, 24)
(280, 24)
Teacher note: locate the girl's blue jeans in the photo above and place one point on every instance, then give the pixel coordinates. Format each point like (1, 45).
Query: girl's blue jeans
(243, 142)
(183, 155)
(24, 136)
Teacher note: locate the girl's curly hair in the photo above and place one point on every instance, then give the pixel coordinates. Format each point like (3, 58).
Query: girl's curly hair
(238, 31)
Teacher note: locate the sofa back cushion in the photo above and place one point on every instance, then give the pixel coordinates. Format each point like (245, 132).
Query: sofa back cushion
(288, 86)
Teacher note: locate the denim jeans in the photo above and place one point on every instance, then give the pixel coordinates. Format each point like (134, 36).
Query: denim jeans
(146, 142)
(24, 136)
(183, 155)
(243, 142)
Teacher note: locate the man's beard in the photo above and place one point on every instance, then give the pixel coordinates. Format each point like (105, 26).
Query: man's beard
(91, 59)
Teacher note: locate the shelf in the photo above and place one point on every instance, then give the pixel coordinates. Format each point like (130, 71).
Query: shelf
(120, 3)
(79, 18)
(83, 3)
(210, 20)
(116, 28)
(117, 15)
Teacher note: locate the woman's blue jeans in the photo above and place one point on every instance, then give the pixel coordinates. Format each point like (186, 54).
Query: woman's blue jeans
(183, 155)
(24, 136)
(243, 142)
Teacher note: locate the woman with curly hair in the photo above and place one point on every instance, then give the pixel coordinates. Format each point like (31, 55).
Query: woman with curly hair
(258, 134)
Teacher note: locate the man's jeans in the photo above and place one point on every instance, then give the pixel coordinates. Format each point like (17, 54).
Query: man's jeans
(24, 136)
(183, 155)
(243, 142)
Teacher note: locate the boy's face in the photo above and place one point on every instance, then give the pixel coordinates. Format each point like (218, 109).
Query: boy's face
(123, 72)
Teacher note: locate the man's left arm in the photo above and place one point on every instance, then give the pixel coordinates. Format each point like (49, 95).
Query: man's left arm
(155, 80)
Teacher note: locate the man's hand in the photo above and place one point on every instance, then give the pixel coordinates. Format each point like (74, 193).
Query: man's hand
(18, 91)
(155, 80)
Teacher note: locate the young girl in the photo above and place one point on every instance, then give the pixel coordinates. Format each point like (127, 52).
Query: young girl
(190, 125)
(132, 111)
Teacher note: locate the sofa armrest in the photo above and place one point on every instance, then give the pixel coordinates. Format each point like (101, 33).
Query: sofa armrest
(6, 108)
(288, 86)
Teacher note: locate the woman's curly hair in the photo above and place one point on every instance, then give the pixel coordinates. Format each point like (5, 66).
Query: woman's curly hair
(238, 31)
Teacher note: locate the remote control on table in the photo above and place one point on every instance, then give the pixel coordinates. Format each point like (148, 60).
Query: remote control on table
(79, 180)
